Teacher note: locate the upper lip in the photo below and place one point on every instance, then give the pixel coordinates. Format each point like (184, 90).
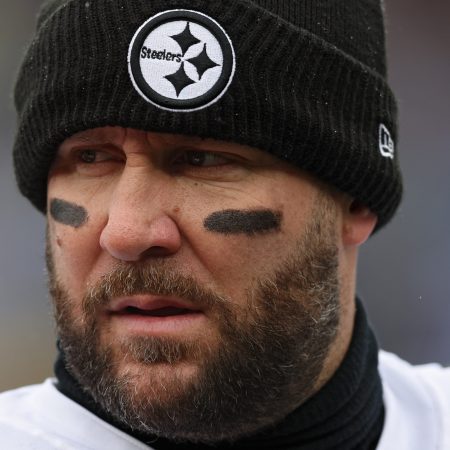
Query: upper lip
(149, 303)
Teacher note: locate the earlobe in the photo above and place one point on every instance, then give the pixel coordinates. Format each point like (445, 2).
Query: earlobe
(359, 223)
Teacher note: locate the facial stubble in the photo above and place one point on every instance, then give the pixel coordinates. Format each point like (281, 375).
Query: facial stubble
(271, 351)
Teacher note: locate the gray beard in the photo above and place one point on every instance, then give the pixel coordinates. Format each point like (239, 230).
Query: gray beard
(271, 353)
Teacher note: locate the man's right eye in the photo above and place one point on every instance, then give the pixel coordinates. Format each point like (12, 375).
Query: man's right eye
(95, 162)
(89, 156)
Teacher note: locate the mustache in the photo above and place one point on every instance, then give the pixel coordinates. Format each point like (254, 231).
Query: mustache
(152, 279)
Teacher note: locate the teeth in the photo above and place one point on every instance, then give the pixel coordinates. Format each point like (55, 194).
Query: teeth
(162, 312)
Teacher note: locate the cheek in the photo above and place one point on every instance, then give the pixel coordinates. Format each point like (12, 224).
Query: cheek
(234, 262)
(75, 253)
(246, 239)
(76, 215)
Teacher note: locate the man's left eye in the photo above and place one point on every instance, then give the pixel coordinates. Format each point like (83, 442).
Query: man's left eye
(89, 156)
(205, 159)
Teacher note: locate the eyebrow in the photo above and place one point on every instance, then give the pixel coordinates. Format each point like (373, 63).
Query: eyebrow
(75, 141)
(87, 139)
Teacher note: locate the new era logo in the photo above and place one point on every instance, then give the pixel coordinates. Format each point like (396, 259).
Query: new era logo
(387, 145)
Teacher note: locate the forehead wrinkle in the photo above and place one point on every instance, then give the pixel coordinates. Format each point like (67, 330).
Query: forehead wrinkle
(168, 137)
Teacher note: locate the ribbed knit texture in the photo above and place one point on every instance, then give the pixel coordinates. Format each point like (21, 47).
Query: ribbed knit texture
(346, 414)
(310, 88)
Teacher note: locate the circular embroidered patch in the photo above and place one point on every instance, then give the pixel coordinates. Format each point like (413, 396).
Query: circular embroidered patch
(181, 60)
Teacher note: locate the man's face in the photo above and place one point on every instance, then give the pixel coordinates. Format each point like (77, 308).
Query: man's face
(195, 282)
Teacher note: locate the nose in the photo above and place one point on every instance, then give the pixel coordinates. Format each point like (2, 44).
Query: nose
(139, 226)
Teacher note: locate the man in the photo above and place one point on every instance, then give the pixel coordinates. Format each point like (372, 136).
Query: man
(209, 171)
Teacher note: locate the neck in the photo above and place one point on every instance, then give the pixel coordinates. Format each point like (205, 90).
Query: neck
(347, 413)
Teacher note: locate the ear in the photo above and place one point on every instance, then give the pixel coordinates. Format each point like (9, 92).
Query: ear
(358, 223)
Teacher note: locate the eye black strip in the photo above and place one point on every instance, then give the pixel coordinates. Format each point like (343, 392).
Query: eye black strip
(249, 222)
(68, 213)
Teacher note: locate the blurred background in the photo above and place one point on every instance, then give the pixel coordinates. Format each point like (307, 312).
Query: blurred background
(404, 274)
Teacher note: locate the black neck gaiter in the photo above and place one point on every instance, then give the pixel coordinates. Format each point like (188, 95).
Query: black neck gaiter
(346, 414)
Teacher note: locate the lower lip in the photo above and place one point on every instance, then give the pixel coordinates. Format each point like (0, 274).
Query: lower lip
(151, 325)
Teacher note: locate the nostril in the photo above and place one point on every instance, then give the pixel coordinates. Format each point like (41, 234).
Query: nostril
(157, 251)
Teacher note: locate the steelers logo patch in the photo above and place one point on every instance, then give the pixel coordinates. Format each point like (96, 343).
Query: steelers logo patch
(181, 60)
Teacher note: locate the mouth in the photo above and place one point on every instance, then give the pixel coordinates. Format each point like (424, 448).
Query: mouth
(161, 312)
(151, 315)
(152, 306)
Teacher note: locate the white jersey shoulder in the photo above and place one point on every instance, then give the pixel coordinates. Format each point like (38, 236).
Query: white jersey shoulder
(416, 398)
(39, 417)
(417, 405)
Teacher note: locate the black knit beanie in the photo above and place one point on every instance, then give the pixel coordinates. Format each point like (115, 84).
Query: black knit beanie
(302, 79)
